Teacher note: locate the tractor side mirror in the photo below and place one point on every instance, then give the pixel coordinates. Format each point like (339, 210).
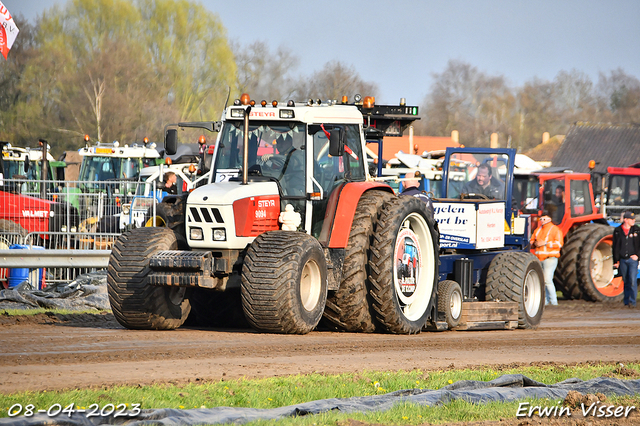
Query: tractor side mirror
(336, 143)
(27, 164)
(171, 141)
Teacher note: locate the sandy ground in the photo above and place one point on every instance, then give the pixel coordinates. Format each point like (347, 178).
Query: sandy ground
(55, 352)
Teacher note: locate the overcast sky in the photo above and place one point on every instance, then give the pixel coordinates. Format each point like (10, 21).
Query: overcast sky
(399, 44)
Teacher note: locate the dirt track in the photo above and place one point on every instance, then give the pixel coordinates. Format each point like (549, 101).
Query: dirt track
(76, 351)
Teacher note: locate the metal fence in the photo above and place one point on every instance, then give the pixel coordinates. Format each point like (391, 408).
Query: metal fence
(68, 215)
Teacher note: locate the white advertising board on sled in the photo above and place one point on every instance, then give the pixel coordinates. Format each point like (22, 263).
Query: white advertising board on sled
(470, 225)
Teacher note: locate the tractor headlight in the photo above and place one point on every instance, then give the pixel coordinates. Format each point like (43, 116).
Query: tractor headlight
(196, 234)
(219, 235)
(237, 112)
(126, 208)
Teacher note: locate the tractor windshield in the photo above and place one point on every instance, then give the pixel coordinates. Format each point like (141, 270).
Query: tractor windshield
(98, 168)
(13, 168)
(276, 150)
(477, 175)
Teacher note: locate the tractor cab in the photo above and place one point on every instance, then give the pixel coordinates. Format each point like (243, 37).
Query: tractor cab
(567, 197)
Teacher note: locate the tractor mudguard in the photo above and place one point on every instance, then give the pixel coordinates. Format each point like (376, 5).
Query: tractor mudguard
(341, 210)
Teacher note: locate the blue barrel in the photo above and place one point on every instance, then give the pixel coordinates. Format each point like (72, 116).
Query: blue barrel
(18, 275)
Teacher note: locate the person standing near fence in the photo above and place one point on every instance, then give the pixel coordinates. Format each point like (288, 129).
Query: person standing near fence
(547, 241)
(626, 247)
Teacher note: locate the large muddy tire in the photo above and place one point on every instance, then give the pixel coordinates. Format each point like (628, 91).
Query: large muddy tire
(517, 277)
(595, 266)
(406, 233)
(135, 303)
(565, 277)
(450, 302)
(349, 308)
(284, 282)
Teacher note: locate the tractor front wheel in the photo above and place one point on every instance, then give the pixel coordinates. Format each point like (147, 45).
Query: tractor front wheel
(284, 282)
(135, 303)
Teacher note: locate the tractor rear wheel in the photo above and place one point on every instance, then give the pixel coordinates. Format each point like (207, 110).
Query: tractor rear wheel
(595, 266)
(135, 303)
(406, 233)
(517, 277)
(349, 307)
(450, 302)
(284, 282)
(565, 277)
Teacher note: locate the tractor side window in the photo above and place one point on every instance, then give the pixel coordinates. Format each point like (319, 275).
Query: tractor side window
(353, 153)
(330, 172)
(616, 191)
(554, 199)
(580, 198)
(526, 191)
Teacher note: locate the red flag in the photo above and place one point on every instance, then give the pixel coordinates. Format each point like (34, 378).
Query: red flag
(8, 31)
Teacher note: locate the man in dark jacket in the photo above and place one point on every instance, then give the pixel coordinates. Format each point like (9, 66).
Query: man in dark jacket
(485, 184)
(626, 248)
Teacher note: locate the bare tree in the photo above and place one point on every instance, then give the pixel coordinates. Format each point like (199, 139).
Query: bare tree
(463, 98)
(335, 80)
(263, 74)
(619, 97)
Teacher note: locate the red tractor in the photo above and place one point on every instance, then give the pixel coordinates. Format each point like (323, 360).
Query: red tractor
(21, 215)
(585, 267)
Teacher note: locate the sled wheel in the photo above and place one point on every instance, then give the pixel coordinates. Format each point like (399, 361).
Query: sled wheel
(595, 266)
(517, 277)
(406, 232)
(135, 303)
(284, 282)
(349, 307)
(450, 302)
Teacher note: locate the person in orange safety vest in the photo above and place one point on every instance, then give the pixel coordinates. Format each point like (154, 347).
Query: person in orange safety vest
(546, 243)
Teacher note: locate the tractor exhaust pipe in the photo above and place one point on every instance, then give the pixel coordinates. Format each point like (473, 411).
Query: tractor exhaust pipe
(245, 147)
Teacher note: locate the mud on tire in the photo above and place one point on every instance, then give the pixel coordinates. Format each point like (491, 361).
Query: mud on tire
(406, 231)
(349, 308)
(135, 303)
(517, 277)
(284, 282)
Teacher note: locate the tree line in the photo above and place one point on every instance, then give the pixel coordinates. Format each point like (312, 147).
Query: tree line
(121, 70)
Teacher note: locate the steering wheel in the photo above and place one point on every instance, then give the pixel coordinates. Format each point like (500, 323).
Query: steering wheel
(473, 196)
(255, 170)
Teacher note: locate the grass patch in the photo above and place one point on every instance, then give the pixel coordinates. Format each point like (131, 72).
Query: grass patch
(283, 391)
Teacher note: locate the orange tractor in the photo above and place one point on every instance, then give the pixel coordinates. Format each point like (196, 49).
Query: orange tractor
(585, 268)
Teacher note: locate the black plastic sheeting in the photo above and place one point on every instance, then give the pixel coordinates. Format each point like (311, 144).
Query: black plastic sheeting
(505, 388)
(88, 291)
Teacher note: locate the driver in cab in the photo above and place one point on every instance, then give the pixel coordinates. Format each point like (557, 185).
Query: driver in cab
(485, 184)
(288, 166)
